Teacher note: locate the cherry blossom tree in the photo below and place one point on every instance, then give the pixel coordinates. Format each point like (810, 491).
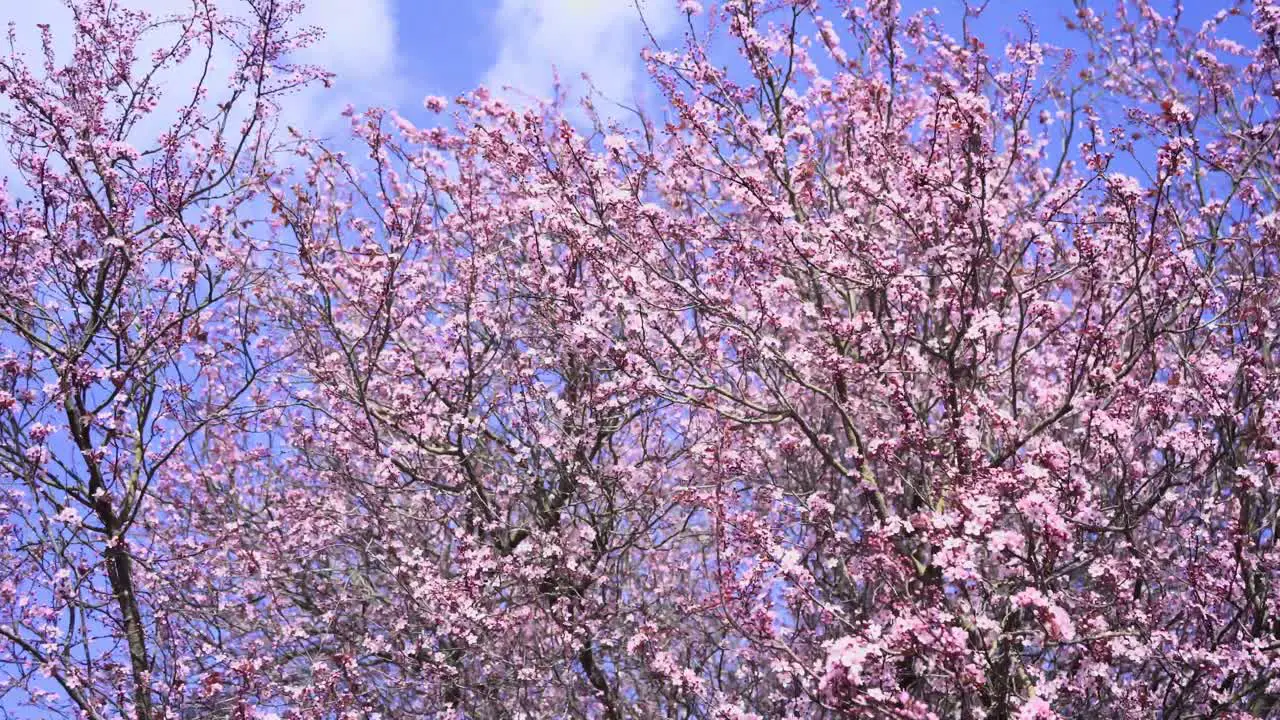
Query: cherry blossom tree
(128, 305)
(880, 370)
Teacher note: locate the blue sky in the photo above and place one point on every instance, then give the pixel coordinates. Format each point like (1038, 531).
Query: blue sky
(446, 47)
(449, 46)
(395, 52)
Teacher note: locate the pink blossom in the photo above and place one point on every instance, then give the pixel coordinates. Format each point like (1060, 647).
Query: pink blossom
(835, 384)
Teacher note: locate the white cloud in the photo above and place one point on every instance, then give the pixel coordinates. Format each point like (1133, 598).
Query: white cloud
(360, 47)
(602, 38)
